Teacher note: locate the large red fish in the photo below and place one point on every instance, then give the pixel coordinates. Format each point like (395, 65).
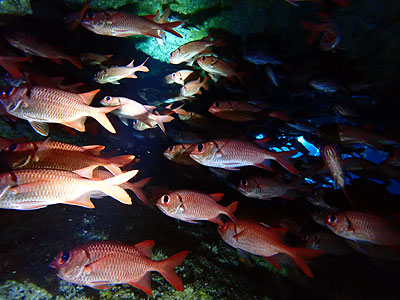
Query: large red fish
(42, 105)
(100, 264)
(259, 239)
(231, 154)
(216, 67)
(31, 45)
(364, 227)
(122, 24)
(37, 188)
(190, 206)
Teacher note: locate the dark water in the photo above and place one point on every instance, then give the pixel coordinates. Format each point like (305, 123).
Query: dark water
(29, 240)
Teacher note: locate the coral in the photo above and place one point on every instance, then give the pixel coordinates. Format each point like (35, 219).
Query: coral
(15, 7)
(23, 290)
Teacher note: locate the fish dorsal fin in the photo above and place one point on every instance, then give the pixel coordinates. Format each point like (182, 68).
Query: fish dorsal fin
(262, 142)
(143, 283)
(94, 149)
(150, 108)
(281, 231)
(87, 98)
(217, 196)
(145, 247)
(86, 172)
(40, 127)
(206, 38)
(150, 17)
(130, 65)
(265, 225)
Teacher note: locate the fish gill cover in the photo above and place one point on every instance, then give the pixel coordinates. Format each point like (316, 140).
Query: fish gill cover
(199, 149)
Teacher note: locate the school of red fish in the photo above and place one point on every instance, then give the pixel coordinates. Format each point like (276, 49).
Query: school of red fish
(50, 172)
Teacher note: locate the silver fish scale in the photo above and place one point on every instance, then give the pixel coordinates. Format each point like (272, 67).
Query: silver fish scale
(52, 105)
(125, 263)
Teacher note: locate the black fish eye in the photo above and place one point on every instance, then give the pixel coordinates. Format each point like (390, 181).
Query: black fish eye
(165, 199)
(218, 104)
(9, 91)
(200, 147)
(170, 148)
(63, 257)
(108, 98)
(332, 219)
(203, 58)
(13, 147)
(91, 15)
(134, 122)
(243, 182)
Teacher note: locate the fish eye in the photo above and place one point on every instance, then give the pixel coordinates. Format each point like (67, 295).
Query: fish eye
(165, 199)
(170, 148)
(90, 15)
(200, 147)
(203, 58)
(173, 75)
(63, 257)
(108, 98)
(332, 219)
(243, 182)
(8, 92)
(218, 104)
(134, 122)
(13, 147)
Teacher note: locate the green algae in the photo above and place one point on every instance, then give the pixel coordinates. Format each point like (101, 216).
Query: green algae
(23, 290)
(15, 7)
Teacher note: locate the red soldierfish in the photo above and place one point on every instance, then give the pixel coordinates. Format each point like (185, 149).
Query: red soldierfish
(42, 105)
(266, 188)
(191, 206)
(178, 77)
(259, 239)
(99, 264)
(193, 87)
(334, 163)
(34, 47)
(37, 188)
(190, 51)
(122, 24)
(8, 63)
(364, 227)
(94, 58)
(231, 154)
(113, 74)
(216, 67)
(180, 154)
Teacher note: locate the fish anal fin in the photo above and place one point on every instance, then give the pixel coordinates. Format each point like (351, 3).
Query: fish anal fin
(83, 201)
(217, 220)
(265, 165)
(145, 247)
(40, 127)
(56, 60)
(143, 284)
(273, 260)
(100, 286)
(191, 221)
(78, 124)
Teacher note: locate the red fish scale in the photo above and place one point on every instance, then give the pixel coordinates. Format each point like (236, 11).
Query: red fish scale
(370, 227)
(124, 263)
(256, 239)
(197, 206)
(52, 105)
(130, 23)
(190, 50)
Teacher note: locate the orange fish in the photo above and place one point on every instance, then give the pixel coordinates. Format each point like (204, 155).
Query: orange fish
(8, 63)
(232, 154)
(190, 51)
(266, 188)
(37, 188)
(259, 239)
(30, 155)
(364, 227)
(334, 163)
(94, 59)
(191, 206)
(193, 87)
(180, 154)
(178, 77)
(35, 47)
(114, 74)
(122, 24)
(99, 264)
(216, 67)
(135, 187)
(42, 105)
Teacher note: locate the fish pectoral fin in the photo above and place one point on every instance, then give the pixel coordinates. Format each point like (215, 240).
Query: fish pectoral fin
(237, 235)
(28, 187)
(132, 76)
(40, 127)
(231, 169)
(114, 82)
(273, 260)
(86, 172)
(143, 283)
(98, 265)
(83, 201)
(125, 121)
(78, 124)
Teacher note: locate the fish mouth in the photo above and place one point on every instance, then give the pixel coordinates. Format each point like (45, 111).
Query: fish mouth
(53, 265)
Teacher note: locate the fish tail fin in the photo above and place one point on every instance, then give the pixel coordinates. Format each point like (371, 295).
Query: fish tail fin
(74, 61)
(300, 255)
(113, 163)
(281, 115)
(230, 210)
(315, 30)
(111, 186)
(169, 27)
(204, 83)
(166, 269)
(283, 159)
(161, 119)
(136, 188)
(99, 114)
